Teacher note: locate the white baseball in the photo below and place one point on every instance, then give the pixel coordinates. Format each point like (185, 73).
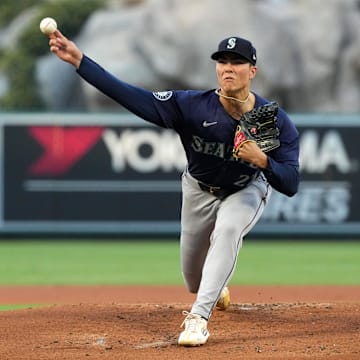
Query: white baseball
(48, 25)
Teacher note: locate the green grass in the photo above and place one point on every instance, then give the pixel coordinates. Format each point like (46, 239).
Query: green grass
(83, 262)
(5, 307)
(88, 263)
(299, 263)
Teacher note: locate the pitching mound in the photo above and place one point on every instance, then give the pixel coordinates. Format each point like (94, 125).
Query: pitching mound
(247, 330)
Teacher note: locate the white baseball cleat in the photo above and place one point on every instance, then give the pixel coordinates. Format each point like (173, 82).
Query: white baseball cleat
(224, 299)
(195, 333)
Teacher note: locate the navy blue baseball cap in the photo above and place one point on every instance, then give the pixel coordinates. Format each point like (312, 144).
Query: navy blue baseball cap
(238, 46)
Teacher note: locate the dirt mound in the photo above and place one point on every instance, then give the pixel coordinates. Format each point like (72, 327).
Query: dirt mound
(149, 331)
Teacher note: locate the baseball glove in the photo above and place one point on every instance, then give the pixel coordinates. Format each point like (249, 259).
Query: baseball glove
(259, 125)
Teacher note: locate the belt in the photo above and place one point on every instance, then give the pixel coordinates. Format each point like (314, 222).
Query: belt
(220, 192)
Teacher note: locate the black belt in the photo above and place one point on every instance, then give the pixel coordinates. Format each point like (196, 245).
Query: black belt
(220, 192)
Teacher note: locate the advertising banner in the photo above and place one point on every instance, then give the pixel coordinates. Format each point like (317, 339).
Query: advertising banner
(110, 173)
(327, 202)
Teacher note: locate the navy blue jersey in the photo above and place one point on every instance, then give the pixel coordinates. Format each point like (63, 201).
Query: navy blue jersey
(206, 131)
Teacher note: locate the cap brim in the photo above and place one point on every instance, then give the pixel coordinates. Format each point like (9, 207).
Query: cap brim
(218, 54)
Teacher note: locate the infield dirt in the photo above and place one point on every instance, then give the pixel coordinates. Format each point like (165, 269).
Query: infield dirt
(144, 323)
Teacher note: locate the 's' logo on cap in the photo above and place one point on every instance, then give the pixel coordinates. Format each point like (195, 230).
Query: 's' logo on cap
(231, 43)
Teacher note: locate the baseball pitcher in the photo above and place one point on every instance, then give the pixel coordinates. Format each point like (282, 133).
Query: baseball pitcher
(239, 147)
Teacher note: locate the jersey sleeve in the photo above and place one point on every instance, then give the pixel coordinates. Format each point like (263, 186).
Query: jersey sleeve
(283, 169)
(139, 101)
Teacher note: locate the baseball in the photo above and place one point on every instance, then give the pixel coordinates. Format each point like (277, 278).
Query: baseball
(48, 25)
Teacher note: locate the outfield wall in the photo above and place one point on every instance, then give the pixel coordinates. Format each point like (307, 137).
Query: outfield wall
(115, 174)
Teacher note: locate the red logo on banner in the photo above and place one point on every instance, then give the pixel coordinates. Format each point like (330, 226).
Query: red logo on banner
(63, 147)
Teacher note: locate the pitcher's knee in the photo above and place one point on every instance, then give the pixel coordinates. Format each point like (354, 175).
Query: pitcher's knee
(191, 284)
(193, 288)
